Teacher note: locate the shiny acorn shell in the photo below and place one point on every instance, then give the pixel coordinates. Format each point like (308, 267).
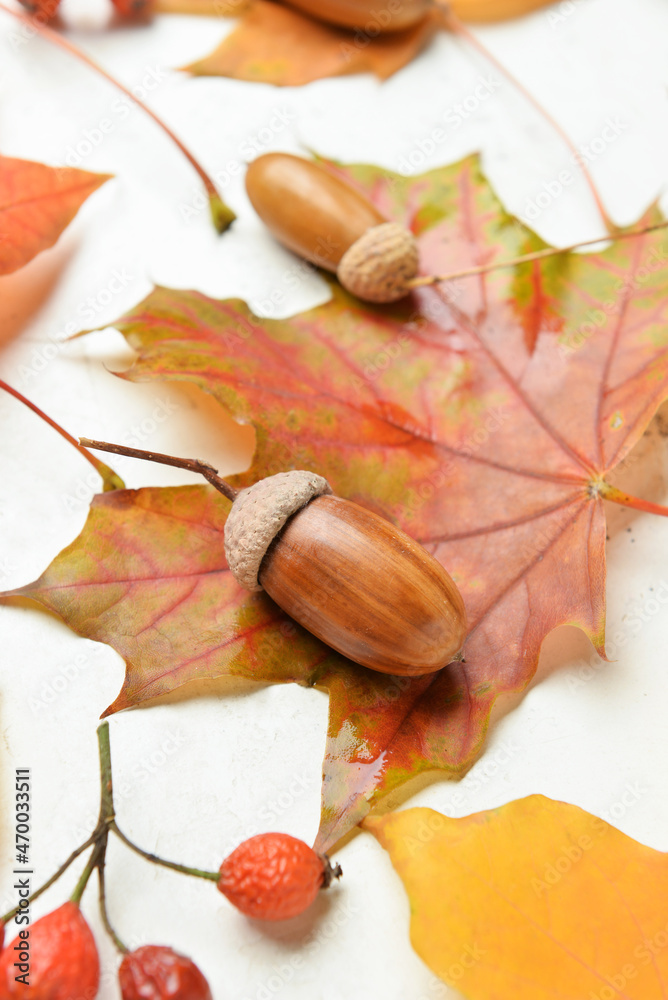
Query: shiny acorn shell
(308, 208)
(371, 17)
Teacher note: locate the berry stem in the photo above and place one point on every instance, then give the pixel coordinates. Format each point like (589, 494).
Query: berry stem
(104, 822)
(91, 865)
(54, 878)
(103, 910)
(608, 492)
(222, 215)
(110, 480)
(435, 279)
(107, 820)
(453, 24)
(107, 812)
(184, 869)
(190, 464)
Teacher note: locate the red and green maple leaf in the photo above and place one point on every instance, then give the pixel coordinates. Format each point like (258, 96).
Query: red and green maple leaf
(483, 417)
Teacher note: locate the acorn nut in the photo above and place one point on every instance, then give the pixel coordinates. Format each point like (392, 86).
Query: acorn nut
(325, 220)
(367, 15)
(350, 577)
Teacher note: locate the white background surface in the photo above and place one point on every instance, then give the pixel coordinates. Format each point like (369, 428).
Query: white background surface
(196, 774)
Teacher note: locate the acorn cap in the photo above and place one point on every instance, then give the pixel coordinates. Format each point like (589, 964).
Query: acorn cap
(379, 265)
(258, 514)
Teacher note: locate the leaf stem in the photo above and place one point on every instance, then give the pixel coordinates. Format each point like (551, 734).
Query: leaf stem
(184, 869)
(608, 492)
(453, 24)
(110, 479)
(435, 279)
(222, 215)
(190, 464)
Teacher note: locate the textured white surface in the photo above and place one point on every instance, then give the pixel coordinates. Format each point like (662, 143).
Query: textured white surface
(199, 772)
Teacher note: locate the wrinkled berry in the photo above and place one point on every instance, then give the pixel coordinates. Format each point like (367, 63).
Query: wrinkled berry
(159, 973)
(42, 10)
(134, 8)
(274, 876)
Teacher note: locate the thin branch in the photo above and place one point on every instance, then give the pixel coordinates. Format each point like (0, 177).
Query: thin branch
(453, 24)
(190, 464)
(110, 480)
(184, 869)
(107, 811)
(54, 878)
(435, 279)
(103, 910)
(222, 215)
(91, 865)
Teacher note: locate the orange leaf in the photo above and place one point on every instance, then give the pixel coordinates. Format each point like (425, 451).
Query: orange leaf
(36, 203)
(536, 900)
(275, 44)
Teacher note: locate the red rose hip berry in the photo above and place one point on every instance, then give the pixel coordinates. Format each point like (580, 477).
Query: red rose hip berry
(42, 10)
(155, 972)
(63, 960)
(134, 8)
(274, 876)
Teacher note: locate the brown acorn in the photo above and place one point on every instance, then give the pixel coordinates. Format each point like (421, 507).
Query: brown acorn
(368, 16)
(328, 222)
(350, 577)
